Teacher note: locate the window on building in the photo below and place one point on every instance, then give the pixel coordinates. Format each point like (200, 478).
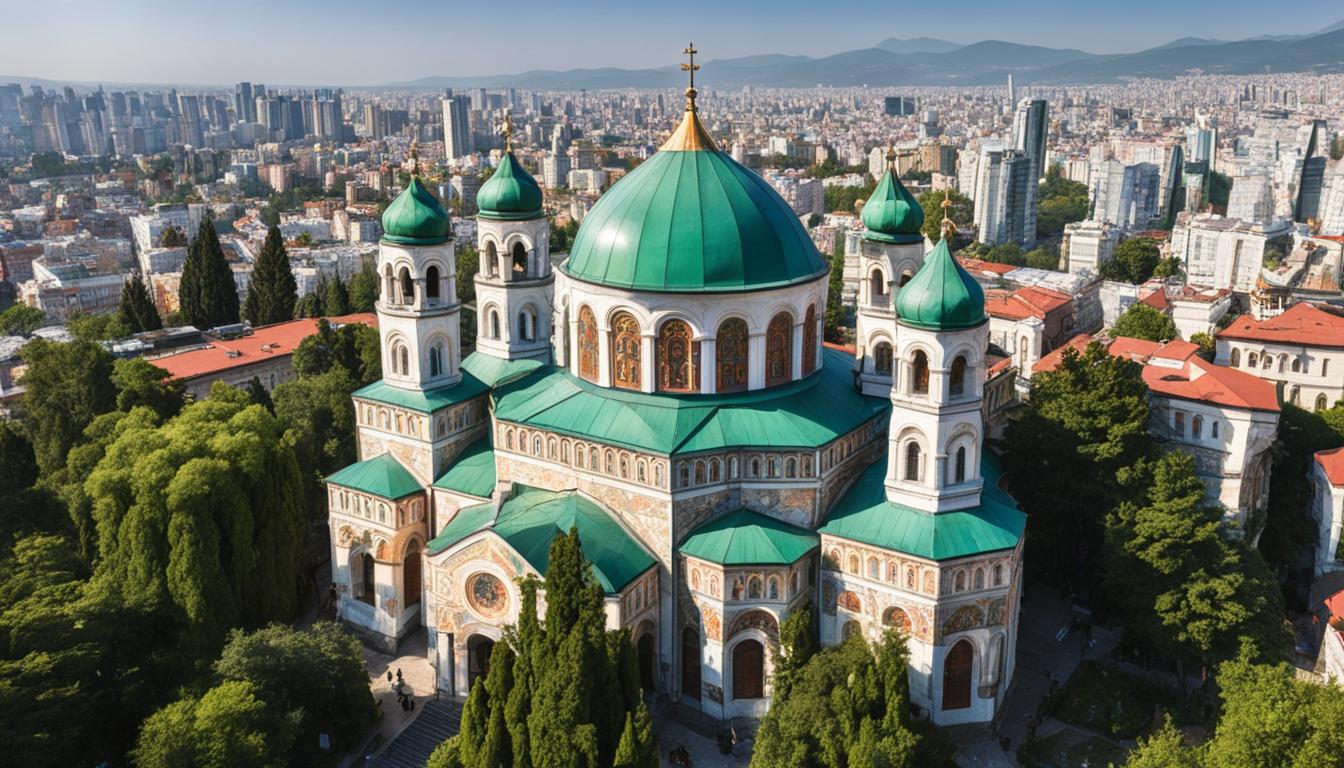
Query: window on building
(919, 378)
(1197, 426)
(1297, 365)
(779, 350)
(957, 377)
(432, 282)
(494, 324)
(731, 357)
(407, 286)
(625, 351)
(678, 358)
(435, 361)
(882, 358)
(912, 461)
(519, 262)
(1178, 424)
(588, 354)
(1251, 360)
(877, 288)
(1213, 430)
(1321, 402)
(810, 339)
(1235, 358)
(959, 472)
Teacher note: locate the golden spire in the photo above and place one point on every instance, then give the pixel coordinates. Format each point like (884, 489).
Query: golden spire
(948, 227)
(690, 136)
(891, 157)
(508, 132)
(415, 157)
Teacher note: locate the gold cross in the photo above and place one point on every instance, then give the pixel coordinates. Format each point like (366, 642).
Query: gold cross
(690, 66)
(415, 157)
(508, 131)
(948, 227)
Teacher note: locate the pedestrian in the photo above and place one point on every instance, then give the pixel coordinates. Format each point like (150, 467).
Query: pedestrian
(398, 674)
(389, 675)
(412, 705)
(405, 705)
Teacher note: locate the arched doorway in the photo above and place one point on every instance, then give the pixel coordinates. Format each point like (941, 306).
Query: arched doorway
(479, 649)
(644, 648)
(411, 575)
(690, 663)
(748, 670)
(957, 676)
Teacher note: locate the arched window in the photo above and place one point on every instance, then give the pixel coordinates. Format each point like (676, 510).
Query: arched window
(960, 582)
(998, 574)
(1213, 430)
(906, 276)
(699, 472)
(1267, 361)
(882, 358)
(1297, 365)
(364, 588)
(527, 325)
(678, 358)
(873, 569)
(435, 361)
(791, 467)
(1236, 358)
(730, 352)
(957, 377)
(854, 564)
(959, 471)
(715, 471)
(1321, 402)
(625, 351)
(1283, 361)
(1251, 360)
(979, 578)
(877, 288)
(1325, 366)
(407, 286)
(919, 374)
(912, 461)
(519, 262)
(778, 350)
(389, 284)
(810, 340)
(494, 324)
(587, 344)
(491, 260)
(432, 282)
(1197, 427)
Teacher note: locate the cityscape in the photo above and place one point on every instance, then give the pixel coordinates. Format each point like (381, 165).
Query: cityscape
(805, 401)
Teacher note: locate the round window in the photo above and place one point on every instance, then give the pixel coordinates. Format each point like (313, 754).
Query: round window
(487, 595)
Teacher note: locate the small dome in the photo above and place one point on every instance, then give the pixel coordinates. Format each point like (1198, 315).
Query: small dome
(510, 194)
(691, 219)
(416, 217)
(942, 296)
(892, 214)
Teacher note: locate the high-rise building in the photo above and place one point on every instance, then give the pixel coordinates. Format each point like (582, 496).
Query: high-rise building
(1126, 195)
(457, 139)
(244, 103)
(1031, 123)
(1005, 197)
(899, 106)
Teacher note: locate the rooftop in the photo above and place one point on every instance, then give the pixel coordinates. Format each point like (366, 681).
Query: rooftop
(1332, 462)
(265, 343)
(745, 537)
(1310, 325)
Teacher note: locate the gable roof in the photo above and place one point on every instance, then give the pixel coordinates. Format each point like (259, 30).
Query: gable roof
(381, 476)
(265, 343)
(472, 472)
(1303, 323)
(1332, 463)
(530, 519)
(745, 537)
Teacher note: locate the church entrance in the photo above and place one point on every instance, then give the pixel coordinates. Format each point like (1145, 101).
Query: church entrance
(957, 676)
(690, 663)
(411, 575)
(748, 670)
(646, 661)
(479, 649)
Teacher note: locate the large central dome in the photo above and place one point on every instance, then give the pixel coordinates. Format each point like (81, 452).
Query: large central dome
(691, 219)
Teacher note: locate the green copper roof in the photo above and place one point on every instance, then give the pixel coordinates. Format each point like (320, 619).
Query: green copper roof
(479, 374)
(802, 414)
(693, 221)
(380, 476)
(472, 472)
(942, 296)
(864, 514)
(745, 537)
(510, 194)
(531, 518)
(892, 214)
(416, 217)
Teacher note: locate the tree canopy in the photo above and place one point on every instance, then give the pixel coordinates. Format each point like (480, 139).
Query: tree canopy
(136, 310)
(272, 291)
(207, 292)
(962, 211)
(1060, 202)
(1134, 261)
(1141, 321)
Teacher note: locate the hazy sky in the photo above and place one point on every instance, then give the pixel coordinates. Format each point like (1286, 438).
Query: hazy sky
(378, 41)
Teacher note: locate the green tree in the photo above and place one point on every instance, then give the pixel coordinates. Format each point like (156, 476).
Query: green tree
(207, 292)
(364, 289)
(353, 348)
(1141, 321)
(846, 199)
(257, 393)
(468, 265)
(1207, 346)
(137, 311)
(172, 237)
(85, 327)
(311, 303)
(1061, 202)
(1290, 532)
(797, 645)
(837, 319)
(335, 299)
(141, 383)
(319, 420)
(638, 747)
(272, 291)
(228, 727)
(1043, 257)
(1165, 748)
(962, 211)
(1169, 267)
(1134, 261)
(65, 387)
(1085, 422)
(1007, 253)
(21, 320)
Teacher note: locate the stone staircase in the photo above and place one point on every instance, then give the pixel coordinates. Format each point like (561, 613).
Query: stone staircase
(439, 719)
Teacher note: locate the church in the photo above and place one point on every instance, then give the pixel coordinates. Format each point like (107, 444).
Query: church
(664, 390)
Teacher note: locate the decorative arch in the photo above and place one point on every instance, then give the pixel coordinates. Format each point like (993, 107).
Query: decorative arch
(754, 619)
(626, 350)
(678, 357)
(588, 351)
(919, 373)
(849, 601)
(731, 355)
(956, 380)
(407, 285)
(779, 350)
(896, 616)
(966, 617)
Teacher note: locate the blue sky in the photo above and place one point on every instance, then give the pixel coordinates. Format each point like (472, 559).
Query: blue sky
(378, 41)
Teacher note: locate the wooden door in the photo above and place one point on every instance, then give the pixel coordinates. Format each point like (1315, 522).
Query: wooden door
(957, 676)
(690, 663)
(748, 670)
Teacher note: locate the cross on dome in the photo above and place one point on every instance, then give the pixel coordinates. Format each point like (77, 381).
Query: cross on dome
(948, 227)
(414, 157)
(690, 67)
(508, 131)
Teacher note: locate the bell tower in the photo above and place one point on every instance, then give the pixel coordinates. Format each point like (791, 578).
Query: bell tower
(514, 284)
(418, 309)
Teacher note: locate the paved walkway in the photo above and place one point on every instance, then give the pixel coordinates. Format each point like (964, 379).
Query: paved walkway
(418, 677)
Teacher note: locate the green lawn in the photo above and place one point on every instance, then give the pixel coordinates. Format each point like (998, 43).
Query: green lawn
(1109, 701)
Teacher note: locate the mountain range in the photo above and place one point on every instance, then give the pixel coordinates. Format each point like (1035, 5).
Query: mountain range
(930, 61)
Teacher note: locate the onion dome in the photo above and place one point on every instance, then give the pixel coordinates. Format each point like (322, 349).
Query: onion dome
(510, 194)
(892, 214)
(942, 296)
(416, 217)
(691, 219)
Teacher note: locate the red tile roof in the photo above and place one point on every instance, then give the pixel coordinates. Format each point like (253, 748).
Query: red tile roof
(1303, 323)
(1031, 301)
(266, 342)
(1335, 604)
(1332, 461)
(1175, 370)
(984, 267)
(1157, 300)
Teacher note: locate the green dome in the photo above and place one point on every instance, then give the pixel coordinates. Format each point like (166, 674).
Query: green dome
(942, 296)
(690, 219)
(510, 194)
(892, 214)
(416, 217)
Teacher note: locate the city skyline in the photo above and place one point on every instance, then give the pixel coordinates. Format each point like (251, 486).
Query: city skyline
(69, 41)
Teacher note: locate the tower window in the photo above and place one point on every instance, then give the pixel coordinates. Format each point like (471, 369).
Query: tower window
(779, 350)
(494, 324)
(435, 361)
(432, 282)
(882, 358)
(407, 286)
(912, 461)
(919, 380)
(491, 260)
(405, 361)
(959, 473)
(678, 358)
(957, 378)
(626, 348)
(519, 262)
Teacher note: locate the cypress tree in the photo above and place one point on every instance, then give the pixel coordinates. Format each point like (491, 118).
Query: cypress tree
(272, 292)
(638, 748)
(207, 293)
(364, 289)
(137, 311)
(496, 750)
(335, 299)
(475, 723)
